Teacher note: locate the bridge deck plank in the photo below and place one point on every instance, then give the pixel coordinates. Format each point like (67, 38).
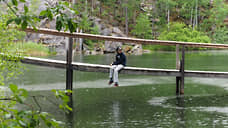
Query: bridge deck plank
(127, 70)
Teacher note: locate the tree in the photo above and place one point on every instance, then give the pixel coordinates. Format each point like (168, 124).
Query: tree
(164, 10)
(142, 29)
(181, 32)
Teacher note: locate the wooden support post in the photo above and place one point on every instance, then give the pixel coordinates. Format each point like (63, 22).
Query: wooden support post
(178, 68)
(177, 57)
(69, 70)
(182, 70)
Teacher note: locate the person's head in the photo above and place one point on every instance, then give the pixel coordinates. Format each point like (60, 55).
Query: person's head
(119, 49)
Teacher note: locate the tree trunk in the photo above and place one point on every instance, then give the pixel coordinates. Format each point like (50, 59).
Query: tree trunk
(191, 17)
(134, 17)
(74, 1)
(168, 18)
(100, 8)
(167, 13)
(92, 5)
(126, 20)
(196, 13)
(86, 6)
(195, 23)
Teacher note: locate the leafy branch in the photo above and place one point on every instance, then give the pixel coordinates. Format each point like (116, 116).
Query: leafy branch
(63, 12)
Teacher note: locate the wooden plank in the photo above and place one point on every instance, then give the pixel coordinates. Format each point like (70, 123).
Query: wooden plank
(123, 39)
(44, 62)
(127, 70)
(206, 74)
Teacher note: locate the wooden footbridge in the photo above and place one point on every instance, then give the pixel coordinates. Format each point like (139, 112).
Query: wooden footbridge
(180, 73)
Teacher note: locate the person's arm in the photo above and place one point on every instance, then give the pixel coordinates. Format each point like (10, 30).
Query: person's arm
(115, 62)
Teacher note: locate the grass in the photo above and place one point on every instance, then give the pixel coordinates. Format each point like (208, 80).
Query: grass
(32, 49)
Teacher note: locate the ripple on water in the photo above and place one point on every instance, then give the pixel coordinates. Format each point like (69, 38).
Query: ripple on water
(215, 115)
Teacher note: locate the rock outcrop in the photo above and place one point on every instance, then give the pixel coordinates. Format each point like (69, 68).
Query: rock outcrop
(60, 42)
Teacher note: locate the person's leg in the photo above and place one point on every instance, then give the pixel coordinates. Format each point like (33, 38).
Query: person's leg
(116, 70)
(112, 68)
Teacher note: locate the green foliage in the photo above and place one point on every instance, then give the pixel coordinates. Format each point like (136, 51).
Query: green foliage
(221, 35)
(87, 27)
(27, 18)
(215, 23)
(142, 29)
(7, 36)
(10, 117)
(63, 95)
(84, 23)
(218, 13)
(162, 7)
(63, 21)
(180, 32)
(13, 118)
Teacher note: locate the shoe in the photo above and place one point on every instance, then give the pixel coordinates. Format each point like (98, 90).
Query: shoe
(110, 82)
(116, 84)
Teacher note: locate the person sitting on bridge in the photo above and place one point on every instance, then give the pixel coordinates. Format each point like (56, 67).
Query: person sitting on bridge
(116, 66)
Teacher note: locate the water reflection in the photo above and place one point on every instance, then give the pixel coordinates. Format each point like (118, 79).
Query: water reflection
(99, 106)
(180, 110)
(116, 114)
(70, 114)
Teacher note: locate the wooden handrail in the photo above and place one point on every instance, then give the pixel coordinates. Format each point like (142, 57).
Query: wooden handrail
(123, 39)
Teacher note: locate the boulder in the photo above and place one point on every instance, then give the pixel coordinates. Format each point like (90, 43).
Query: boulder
(127, 49)
(137, 49)
(106, 32)
(116, 30)
(110, 46)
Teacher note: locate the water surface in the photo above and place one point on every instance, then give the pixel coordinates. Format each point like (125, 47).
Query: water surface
(140, 101)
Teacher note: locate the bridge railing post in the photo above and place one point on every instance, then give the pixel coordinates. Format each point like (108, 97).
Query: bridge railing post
(178, 68)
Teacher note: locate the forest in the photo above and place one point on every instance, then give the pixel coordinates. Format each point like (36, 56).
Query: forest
(199, 20)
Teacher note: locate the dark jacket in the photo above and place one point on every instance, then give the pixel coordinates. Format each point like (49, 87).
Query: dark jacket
(120, 59)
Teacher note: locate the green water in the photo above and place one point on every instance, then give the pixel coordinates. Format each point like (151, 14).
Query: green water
(140, 101)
